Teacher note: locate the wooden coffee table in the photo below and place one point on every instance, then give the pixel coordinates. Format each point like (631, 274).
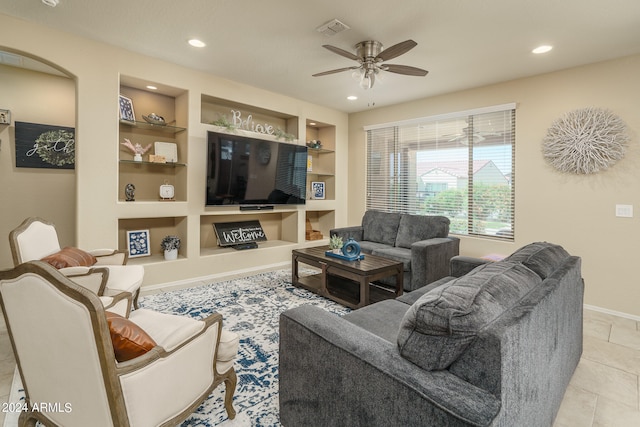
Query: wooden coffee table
(346, 282)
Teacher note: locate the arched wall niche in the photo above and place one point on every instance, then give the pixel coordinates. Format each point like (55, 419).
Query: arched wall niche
(35, 90)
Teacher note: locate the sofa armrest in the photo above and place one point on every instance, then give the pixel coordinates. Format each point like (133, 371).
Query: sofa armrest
(430, 260)
(356, 232)
(461, 265)
(334, 372)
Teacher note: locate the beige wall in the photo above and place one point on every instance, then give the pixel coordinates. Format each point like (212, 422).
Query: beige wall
(49, 193)
(577, 212)
(97, 68)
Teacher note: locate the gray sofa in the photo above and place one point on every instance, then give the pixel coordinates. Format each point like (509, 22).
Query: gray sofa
(494, 347)
(422, 243)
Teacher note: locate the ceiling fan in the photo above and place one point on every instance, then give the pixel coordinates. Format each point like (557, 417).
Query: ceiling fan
(370, 55)
(478, 136)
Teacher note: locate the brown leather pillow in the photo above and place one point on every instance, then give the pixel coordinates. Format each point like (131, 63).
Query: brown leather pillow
(70, 257)
(129, 340)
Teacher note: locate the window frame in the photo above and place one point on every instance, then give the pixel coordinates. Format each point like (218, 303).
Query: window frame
(391, 163)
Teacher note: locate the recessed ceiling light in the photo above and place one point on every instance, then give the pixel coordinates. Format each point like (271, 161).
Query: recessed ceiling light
(352, 97)
(152, 87)
(196, 43)
(312, 123)
(542, 49)
(51, 3)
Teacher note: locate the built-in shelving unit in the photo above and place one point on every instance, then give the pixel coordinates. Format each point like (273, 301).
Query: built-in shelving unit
(322, 168)
(148, 211)
(187, 216)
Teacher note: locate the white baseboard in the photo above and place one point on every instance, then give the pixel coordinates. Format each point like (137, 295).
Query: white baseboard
(214, 277)
(612, 312)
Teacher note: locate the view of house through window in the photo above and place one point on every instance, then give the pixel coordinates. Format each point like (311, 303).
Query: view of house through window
(457, 165)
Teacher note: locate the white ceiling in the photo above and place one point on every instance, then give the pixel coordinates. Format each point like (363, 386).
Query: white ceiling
(274, 45)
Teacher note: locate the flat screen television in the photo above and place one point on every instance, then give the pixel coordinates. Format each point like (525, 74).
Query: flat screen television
(252, 171)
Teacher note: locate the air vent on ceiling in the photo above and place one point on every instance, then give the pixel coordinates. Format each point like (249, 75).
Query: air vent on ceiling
(332, 27)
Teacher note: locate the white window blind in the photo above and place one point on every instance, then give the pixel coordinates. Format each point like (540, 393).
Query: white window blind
(457, 165)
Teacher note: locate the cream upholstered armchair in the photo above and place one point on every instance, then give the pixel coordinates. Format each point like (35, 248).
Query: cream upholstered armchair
(36, 239)
(72, 353)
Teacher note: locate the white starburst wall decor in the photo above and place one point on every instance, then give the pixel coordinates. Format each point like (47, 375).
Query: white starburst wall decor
(585, 141)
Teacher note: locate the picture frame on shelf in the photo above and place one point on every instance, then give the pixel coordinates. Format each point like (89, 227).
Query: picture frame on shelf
(138, 243)
(5, 117)
(317, 190)
(126, 109)
(167, 149)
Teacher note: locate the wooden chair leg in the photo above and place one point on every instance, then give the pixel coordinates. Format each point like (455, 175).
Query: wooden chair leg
(135, 300)
(230, 384)
(26, 420)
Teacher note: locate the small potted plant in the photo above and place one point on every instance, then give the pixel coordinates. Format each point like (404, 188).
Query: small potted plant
(335, 244)
(170, 245)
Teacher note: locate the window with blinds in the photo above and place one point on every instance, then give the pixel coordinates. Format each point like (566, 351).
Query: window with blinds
(458, 165)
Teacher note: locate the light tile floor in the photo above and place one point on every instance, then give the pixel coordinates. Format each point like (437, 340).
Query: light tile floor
(604, 391)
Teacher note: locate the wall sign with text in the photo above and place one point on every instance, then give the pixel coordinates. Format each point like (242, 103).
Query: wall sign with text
(237, 233)
(45, 146)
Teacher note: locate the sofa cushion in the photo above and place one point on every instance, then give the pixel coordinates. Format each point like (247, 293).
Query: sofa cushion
(440, 325)
(413, 296)
(380, 227)
(367, 247)
(542, 257)
(413, 228)
(402, 255)
(382, 318)
(70, 257)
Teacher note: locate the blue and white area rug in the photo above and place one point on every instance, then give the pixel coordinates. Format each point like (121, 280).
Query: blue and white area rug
(250, 307)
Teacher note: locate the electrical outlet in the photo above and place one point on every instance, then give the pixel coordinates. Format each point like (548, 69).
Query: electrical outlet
(624, 211)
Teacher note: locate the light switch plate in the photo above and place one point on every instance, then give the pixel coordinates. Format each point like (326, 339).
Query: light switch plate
(624, 211)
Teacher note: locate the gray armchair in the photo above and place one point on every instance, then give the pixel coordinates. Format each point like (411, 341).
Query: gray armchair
(422, 243)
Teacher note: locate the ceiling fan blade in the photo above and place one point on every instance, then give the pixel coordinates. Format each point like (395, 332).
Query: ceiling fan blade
(339, 70)
(404, 69)
(341, 52)
(396, 50)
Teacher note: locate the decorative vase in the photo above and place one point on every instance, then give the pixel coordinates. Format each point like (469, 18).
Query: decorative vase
(171, 254)
(137, 158)
(337, 251)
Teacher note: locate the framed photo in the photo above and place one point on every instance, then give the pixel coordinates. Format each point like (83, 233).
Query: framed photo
(126, 110)
(5, 117)
(138, 243)
(317, 190)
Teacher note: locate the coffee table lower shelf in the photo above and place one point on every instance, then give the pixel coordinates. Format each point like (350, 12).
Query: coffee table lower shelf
(349, 283)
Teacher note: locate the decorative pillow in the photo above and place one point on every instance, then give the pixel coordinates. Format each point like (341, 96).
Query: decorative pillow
(70, 257)
(440, 325)
(414, 228)
(542, 257)
(129, 340)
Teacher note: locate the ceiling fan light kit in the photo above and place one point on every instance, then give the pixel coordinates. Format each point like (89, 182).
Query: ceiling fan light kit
(370, 54)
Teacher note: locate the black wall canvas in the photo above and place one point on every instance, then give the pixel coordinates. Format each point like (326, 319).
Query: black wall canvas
(45, 146)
